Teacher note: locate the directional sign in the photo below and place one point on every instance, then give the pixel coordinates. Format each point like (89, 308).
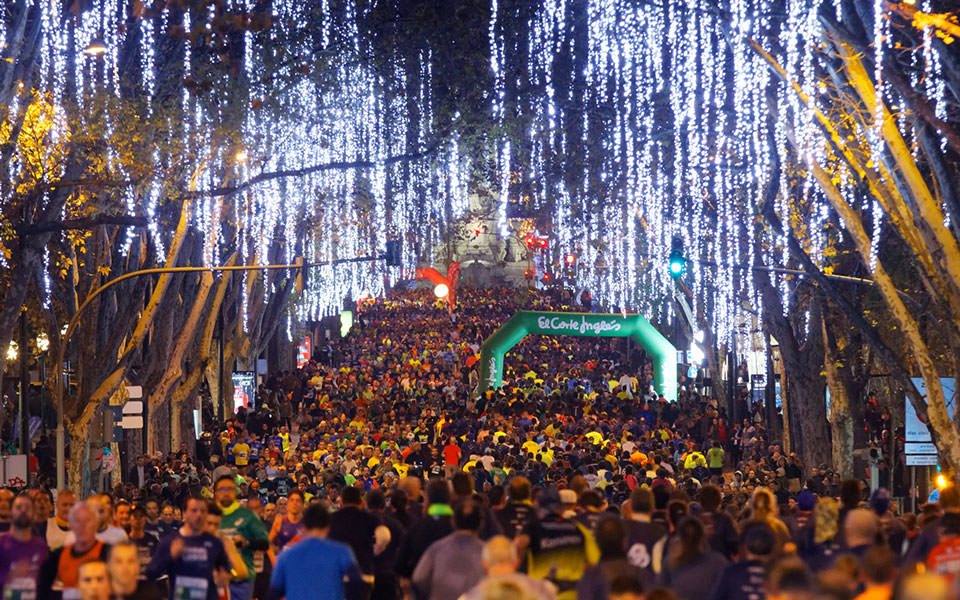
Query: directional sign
(919, 448)
(132, 422)
(921, 460)
(134, 392)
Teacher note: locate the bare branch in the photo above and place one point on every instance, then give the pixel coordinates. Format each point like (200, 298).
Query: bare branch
(330, 166)
(75, 224)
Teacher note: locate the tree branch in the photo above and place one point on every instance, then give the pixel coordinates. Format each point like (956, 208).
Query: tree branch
(74, 224)
(914, 100)
(330, 166)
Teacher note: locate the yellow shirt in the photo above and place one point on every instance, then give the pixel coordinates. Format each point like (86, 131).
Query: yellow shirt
(547, 457)
(594, 437)
(531, 447)
(241, 452)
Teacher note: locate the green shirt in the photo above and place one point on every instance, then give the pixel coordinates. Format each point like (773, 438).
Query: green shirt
(715, 457)
(238, 520)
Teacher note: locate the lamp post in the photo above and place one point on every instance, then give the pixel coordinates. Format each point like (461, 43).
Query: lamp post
(24, 403)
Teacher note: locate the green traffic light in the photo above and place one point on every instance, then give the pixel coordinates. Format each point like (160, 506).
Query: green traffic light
(677, 265)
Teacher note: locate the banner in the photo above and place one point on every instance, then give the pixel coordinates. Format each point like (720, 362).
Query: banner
(526, 323)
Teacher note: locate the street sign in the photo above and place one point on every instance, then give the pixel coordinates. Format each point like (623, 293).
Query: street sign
(132, 422)
(916, 430)
(921, 460)
(134, 392)
(133, 407)
(919, 448)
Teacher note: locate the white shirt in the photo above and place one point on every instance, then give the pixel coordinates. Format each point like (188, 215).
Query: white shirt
(111, 535)
(626, 384)
(55, 535)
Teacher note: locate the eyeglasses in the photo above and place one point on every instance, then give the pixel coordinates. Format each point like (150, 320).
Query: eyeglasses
(226, 488)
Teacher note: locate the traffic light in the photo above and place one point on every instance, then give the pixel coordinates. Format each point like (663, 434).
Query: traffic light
(678, 264)
(393, 253)
(571, 258)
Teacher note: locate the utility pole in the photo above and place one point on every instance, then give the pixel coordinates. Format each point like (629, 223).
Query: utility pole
(770, 395)
(24, 402)
(732, 382)
(220, 409)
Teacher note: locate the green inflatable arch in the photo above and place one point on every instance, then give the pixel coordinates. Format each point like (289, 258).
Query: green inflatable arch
(526, 323)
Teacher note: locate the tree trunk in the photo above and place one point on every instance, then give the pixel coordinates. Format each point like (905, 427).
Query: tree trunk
(808, 415)
(943, 432)
(158, 398)
(841, 422)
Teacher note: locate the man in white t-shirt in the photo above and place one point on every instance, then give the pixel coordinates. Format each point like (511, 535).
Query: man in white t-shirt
(107, 532)
(487, 459)
(58, 526)
(626, 384)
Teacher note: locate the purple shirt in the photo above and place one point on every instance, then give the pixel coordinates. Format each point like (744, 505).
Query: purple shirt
(21, 559)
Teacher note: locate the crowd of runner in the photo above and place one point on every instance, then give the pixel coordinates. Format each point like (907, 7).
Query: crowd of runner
(375, 472)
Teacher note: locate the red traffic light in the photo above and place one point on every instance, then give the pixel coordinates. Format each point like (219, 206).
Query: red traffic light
(542, 242)
(530, 240)
(546, 276)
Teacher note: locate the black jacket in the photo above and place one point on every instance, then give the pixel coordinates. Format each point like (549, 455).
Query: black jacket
(356, 528)
(423, 533)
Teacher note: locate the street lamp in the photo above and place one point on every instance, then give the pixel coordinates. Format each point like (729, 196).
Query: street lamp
(43, 342)
(13, 351)
(441, 290)
(96, 47)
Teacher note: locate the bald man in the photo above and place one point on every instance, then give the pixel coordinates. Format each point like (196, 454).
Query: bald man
(107, 532)
(500, 560)
(59, 573)
(861, 530)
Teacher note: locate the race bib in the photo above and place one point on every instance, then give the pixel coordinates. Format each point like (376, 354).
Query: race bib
(190, 588)
(194, 554)
(21, 588)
